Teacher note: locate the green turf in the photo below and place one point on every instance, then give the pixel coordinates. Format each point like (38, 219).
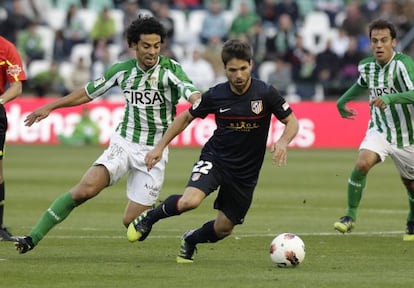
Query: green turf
(90, 249)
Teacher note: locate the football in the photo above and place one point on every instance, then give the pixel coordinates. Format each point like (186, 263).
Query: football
(287, 250)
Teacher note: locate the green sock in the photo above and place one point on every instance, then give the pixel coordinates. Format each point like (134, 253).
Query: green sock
(56, 213)
(356, 185)
(410, 216)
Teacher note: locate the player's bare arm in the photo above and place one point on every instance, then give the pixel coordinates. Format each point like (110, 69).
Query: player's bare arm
(176, 127)
(14, 90)
(279, 148)
(75, 98)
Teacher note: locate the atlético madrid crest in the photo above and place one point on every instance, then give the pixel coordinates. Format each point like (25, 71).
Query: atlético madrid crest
(257, 106)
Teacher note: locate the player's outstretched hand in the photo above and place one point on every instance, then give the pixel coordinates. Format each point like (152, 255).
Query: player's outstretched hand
(36, 116)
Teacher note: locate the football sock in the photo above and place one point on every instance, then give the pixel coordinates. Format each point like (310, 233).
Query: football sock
(356, 185)
(166, 209)
(410, 216)
(2, 198)
(56, 213)
(204, 234)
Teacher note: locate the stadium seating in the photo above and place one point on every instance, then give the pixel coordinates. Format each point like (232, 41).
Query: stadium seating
(315, 31)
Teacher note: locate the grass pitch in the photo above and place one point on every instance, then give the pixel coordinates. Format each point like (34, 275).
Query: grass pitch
(89, 249)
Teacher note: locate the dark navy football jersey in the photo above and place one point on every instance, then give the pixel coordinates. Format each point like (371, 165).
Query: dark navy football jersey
(238, 145)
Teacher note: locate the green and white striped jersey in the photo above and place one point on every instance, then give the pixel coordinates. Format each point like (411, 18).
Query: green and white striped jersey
(150, 96)
(396, 122)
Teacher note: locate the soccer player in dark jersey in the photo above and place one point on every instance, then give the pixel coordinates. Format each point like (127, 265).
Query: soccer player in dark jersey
(231, 159)
(388, 77)
(152, 85)
(11, 77)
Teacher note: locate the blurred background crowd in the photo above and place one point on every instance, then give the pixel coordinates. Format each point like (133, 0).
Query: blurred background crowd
(308, 49)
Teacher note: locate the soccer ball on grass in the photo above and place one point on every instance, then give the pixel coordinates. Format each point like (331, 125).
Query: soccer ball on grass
(287, 250)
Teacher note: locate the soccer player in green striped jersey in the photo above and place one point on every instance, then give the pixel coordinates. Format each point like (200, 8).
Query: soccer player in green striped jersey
(388, 77)
(152, 85)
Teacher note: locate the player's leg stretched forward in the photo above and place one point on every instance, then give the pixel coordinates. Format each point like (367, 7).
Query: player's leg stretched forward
(210, 232)
(94, 180)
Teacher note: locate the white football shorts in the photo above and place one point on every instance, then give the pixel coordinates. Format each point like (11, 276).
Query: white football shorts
(403, 157)
(122, 157)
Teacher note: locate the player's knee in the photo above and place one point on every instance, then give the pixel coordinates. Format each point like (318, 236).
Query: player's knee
(82, 193)
(223, 232)
(188, 203)
(363, 166)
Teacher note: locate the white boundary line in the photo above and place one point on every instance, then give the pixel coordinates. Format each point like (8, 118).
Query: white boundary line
(235, 236)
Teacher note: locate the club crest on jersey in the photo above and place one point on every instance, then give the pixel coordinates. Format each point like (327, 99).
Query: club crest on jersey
(153, 81)
(257, 106)
(98, 81)
(14, 70)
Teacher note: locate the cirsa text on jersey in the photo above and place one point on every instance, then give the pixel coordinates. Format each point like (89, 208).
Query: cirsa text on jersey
(145, 97)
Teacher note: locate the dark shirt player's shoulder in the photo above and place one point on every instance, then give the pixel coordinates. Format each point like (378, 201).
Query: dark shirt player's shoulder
(262, 85)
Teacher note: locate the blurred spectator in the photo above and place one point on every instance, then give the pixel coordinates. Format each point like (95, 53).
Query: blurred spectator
(86, 131)
(393, 11)
(285, 37)
(131, 10)
(303, 69)
(213, 55)
(198, 69)
(355, 22)
(331, 8)
(289, 7)
(29, 43)
(36, 10)
(163, 15)
(304, 76)
(49, 82)
(256, 37)
(59, 52)
(281, 78)
(16, 21)
(104, 27)
(243, 21)
(340, 43)
(74, 31)
(266, 10)
(101, 58)
(369, 8)
(234, 5)
(327, 67)
(80, 75)
(214, 25)
(349, 63)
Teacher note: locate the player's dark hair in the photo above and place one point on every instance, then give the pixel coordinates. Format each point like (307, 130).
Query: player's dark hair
(144, 25)
(381, 24)
(235, 48)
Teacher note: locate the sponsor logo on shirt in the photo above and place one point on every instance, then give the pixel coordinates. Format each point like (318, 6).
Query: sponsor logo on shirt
(243, 126)
(222, 110)
(145, 97)
(378, 92)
